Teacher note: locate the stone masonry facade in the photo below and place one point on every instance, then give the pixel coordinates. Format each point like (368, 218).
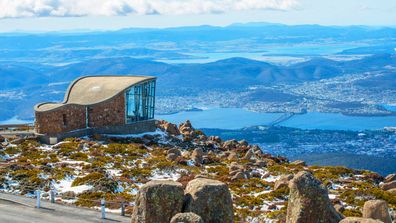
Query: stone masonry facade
(74, 117)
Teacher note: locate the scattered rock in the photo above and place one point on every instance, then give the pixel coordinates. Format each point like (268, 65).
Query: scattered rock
(309, 201)
(283, 181)
(230, 144)
(390, 178)
(339, 208)
(188, 217)
(211, 199)
(249, 155)
(235, 166)
(377, 209)
(172, 156)
(174, 151)
(232, 156)
(298, 163)
(158, 201)
(197, 155)
(388, 186)
(261, 163)
(2, 139)
(68, 195)
(359, 220)
(238, 175)
(243, 143)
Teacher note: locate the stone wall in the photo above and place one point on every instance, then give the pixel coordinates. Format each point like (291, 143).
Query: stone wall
(73, 117)
(110, 112)
(67, 118)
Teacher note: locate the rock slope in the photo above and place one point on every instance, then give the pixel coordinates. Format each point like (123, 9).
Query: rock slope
(84, 170)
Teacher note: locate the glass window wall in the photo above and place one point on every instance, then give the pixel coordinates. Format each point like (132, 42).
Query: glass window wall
(140, 102)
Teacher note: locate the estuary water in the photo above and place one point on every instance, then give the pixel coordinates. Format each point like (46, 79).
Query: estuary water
(236, 118)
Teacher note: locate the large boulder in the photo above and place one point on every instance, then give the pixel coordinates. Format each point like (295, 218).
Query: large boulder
(210, 199)
(359, 220)
(158, 201)
(188, 217)
(377, 209)
(388, 185)
(309, 201)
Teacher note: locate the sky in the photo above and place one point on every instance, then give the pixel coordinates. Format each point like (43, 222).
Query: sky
(61, 15)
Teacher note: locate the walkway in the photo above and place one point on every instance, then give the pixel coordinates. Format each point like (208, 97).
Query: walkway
(19, 209)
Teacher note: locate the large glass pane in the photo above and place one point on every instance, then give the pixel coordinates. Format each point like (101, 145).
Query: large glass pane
(140, 102)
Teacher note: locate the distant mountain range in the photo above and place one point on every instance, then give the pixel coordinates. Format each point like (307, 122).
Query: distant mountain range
(35, 82)
(228, 73)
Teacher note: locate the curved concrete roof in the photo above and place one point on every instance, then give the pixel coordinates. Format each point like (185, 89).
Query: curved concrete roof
(91, 90)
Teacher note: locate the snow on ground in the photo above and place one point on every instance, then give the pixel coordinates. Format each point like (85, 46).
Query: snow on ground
(271, 178)
(164, 175)
(157, 132)
(66, 185)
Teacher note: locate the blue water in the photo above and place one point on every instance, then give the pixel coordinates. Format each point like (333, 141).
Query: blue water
(280, 54)
(221, 118)
(390, 107)
(236, 118)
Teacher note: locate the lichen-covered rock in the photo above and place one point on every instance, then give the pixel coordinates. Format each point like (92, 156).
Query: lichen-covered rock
(158, 201)
(210, 199)
(359, 220)
(188, 217)
(388, 185)
(377, 209)
(283, 181)
(309, 201)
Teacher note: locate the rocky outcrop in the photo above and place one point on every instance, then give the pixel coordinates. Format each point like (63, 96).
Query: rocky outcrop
(170, 128)
(390, 178)
(388, 185)
(211, 199)
(359, 220)
(158, 201)
(283, 181)
(188, 217)
(309, 201)
(377, 209)
(186, 128)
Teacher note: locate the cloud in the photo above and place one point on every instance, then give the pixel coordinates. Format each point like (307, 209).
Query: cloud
(75, 8)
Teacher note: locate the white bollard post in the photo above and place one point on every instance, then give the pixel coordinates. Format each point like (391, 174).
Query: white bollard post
(52, 195)
(37, 199)
(103, 206)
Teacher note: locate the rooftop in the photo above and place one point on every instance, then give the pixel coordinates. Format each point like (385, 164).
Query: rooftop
(91, 90)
